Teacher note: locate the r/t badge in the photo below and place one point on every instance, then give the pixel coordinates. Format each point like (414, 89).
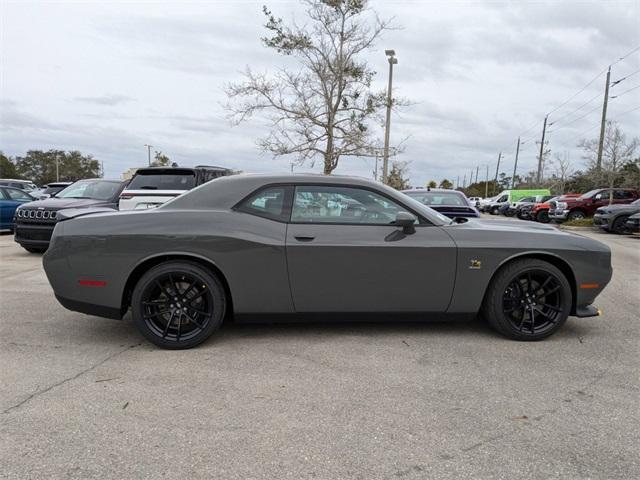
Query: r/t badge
(475, 264)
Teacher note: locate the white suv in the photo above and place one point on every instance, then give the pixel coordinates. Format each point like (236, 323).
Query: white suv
(154, 186)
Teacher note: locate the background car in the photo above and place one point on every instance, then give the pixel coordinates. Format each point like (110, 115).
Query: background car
(522, 207)
(475, 201)
(587, 204)
(451, 203)
(10, 200)
(153, 186)
(49, 190)
(250, 246)
(613, 218)
(633, 224)
(34, 222)
(25, 185)
(540, 211)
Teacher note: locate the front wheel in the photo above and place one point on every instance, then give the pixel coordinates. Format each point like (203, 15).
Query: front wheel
(619, 225)
(178, 305)
(527, 300)
(576, 215)
(543, 216)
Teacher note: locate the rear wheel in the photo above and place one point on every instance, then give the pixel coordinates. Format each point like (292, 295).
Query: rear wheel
(494, 210)
(527, 299)
(178, 305)
(620, 225)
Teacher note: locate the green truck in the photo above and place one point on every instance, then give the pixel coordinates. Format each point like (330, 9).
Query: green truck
(508, 197)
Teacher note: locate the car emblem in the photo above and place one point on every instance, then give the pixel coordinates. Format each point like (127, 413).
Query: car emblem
(475, 264)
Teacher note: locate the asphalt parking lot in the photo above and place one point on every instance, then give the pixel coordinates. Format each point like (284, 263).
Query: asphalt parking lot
(84, 397)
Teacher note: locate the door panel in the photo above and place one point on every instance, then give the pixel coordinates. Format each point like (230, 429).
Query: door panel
(369, 268)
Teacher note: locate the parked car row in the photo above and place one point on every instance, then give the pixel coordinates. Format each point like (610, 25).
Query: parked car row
(33, 213)
(611, 209)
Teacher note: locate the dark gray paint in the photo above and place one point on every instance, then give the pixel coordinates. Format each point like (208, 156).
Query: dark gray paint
(346, 268)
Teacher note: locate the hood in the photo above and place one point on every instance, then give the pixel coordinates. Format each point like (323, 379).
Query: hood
(509, 226)
(60, 203)
(618, 207)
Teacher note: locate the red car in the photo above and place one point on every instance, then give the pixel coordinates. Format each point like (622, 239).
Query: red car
(540, 211)
(587, 204)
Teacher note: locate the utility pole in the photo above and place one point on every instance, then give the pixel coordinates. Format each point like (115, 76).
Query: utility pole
(102, 167)
(477, 168)
(457, 182)
(57, 168)
(495, 184)
(603, 123)
(486, 184)
(471, 177)
(515, 166)
(148, 152)
(391, 56)
(464, 181)
(544, 131)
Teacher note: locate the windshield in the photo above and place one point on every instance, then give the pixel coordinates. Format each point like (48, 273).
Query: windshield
(183, 180)
(95, 189)
(438, 198)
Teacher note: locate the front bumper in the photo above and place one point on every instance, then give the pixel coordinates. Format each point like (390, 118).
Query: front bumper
(33, 235)
(601, 221)
(558, 214)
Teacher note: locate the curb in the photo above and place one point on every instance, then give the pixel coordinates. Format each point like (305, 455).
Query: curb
(577, 229)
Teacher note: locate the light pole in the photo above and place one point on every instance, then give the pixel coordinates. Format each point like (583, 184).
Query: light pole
(149, 147)
(391, 57)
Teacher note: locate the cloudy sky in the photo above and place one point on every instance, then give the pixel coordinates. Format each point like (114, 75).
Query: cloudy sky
(106, 77)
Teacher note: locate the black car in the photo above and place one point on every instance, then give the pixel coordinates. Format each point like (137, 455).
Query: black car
(34, 221)
(451, 203)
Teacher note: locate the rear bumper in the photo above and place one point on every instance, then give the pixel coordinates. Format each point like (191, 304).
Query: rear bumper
(601, 221)
(90, 309)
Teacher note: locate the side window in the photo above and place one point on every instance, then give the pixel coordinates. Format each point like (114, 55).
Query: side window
(329, 204)
(269, 202)
(16, 194)
(622, 195)
(3, 196)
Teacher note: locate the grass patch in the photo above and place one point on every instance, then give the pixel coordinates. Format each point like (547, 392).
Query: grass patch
(582, 222)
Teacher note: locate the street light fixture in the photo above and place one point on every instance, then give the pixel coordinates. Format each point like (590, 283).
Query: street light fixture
(391, 57)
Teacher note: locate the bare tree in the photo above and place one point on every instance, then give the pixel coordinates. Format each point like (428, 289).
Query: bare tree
(562, 169)
(616, 154)
(325, 109)
(398, 176)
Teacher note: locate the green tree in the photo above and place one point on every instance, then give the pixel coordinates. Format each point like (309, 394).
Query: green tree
(7, 167)
(398, 176)
(40, 167)
(432, 184)
(160, 160)
(323, 108)
(446, 184)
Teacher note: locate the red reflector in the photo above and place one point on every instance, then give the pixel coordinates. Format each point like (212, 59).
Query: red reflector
(589, 285)
(92, 283)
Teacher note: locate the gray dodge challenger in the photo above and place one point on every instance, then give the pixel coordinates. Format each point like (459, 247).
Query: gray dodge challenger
(313, 246)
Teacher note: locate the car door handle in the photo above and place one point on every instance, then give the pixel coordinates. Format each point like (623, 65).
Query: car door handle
(304, 238)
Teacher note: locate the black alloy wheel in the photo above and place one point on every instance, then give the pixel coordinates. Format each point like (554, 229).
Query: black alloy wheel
(543, 216)
(619, 225)
(178, 305)
(528, 299)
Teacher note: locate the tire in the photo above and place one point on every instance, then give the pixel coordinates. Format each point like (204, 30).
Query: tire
(543, 216)
(494, 211)
(35, 249)
(508, 309)
(576, 215)
(183, 320)
(619, 225)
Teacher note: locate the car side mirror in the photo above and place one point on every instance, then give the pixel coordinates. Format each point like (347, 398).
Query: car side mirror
(406, 221)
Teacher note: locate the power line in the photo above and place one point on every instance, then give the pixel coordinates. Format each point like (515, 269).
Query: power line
(599, 94)
(613, 84)
(628, 111)
(576, 119)
(577, 93)
(626, 91)
(626, 55)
